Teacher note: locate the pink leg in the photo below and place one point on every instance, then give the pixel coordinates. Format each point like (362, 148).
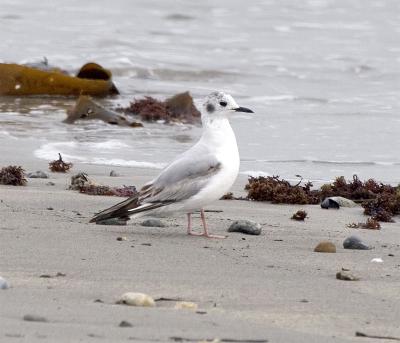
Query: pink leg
(206, 234)
(189, 227)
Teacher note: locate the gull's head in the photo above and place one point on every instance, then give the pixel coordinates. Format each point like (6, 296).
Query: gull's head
(220, 104)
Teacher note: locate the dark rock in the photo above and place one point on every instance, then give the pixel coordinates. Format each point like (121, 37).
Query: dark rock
(4, 284)
(50, 183)
(125, 324)
(121, 239)
(353, 242)
(329, 203)
(113, 173)
(37, 175)
(50, 208)
(153, 223)
(34, 318)
(325, 246)
(245, 226)
(112, 221)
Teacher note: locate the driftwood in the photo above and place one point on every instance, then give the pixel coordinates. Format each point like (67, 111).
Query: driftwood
(85, 109)
(21, 80)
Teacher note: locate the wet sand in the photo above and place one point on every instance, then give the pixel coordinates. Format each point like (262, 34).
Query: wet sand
(269, 287)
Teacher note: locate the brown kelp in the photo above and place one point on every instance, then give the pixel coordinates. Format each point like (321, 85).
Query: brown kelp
(59, 166)
(179, 108)
(12, 175)
(380, 201)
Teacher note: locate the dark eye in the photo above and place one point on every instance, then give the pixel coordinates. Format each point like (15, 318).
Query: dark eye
(223, 103)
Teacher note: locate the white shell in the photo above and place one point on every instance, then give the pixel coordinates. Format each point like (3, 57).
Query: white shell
(136, 299)
(377, 260)
(185, 305)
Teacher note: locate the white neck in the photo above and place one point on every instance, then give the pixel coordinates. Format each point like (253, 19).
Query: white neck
(218, 131)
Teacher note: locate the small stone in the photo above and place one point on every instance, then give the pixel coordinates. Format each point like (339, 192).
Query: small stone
(377, 260)
(325, 246)
(299, 215)
(337, 202)
(346, 276)
(245, 226)
(391, 255)
(50, 208)
(121, 239)
(353, 242)
(112, 221)
(4, 284)
(50, 183)
(37, 175)
(153, 223)
(34, 318)
(136, 299)
(186, 305)
(125, 324)
(113, 173)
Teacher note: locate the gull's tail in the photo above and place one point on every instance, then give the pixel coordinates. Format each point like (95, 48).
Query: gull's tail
(125, 209)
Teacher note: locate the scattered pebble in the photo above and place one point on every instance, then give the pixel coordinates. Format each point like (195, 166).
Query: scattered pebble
(186, 305)
(112, 221)
(113, 173)
(325, 246)
(122, 239)
(50, 208)
(353, 242)
(377, 260)
(34, 318)
(37, 175)
(245, 226)
(391, 255)
(345, 275)
(50, 183)
(125, 324)
(136, 299)
(153, 223)
(4, 284)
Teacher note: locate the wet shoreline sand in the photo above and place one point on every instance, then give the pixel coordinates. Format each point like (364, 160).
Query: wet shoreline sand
(269, 287)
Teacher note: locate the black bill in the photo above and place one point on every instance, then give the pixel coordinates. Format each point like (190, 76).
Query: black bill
(243, 109)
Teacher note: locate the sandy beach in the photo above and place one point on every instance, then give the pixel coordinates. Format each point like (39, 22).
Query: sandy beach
(271, 287)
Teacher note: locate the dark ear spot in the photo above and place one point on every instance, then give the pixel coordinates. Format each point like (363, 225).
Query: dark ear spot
(210, 108)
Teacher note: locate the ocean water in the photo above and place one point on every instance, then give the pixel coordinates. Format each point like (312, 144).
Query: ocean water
(323, 77)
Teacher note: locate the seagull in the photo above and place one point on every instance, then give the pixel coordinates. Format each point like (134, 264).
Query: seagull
(199, 176)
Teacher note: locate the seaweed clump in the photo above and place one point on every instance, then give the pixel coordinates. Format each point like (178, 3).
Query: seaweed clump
(370, 224)
(179, 108)
(355, 190)
(299, 215)
(380, 201)
(277, 190)
(13, 175)
(59, 166)
(83, 184)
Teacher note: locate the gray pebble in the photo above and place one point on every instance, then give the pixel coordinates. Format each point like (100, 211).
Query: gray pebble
(353, 242)
(153, 223)
(4, 284)
(34, 318)
(245, 226)
(112, 221)
(113, 173)
(37, 175)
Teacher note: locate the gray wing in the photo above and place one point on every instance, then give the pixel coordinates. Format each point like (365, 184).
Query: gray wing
(183, 178)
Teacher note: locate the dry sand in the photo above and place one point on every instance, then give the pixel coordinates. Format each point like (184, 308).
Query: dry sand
(269, 287)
